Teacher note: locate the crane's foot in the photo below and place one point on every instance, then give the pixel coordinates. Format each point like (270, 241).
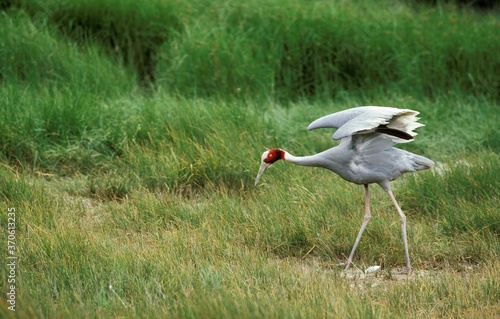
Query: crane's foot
(408, 267)
(345, 264)
(408, 270)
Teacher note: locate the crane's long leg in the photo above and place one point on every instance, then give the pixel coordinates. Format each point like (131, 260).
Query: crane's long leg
(366, 219)
(402, 217)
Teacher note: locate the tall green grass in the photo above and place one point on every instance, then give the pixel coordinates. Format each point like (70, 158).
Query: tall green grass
(34, 54)
(297, 48)
(195, 143)
(131, 135)
(325, 47)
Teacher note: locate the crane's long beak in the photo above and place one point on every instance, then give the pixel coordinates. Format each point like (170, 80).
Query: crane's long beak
(263, 167)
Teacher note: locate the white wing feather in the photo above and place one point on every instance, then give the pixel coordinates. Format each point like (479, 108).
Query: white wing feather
(366, 119)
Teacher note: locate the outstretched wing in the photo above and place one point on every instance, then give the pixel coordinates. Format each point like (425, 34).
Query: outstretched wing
(398, 123)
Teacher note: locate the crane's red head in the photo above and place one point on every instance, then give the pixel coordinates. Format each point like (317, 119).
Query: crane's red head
(269, 158)
(273, 155)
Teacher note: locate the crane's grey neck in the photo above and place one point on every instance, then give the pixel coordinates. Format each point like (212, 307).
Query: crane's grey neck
(312, 160)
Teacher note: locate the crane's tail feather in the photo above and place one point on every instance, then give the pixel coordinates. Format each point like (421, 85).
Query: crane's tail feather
(420, 162)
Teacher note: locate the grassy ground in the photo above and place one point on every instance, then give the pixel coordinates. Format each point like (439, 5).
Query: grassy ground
(131, 137)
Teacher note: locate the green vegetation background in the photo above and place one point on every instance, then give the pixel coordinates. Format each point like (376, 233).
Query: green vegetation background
(131, 132)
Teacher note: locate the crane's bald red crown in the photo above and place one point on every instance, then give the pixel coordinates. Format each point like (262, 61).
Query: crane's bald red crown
(274, 155)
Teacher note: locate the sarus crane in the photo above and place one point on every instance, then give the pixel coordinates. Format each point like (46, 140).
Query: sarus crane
(365, 155)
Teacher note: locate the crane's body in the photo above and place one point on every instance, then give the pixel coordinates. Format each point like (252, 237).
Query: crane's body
(350, 163)
(365, 154)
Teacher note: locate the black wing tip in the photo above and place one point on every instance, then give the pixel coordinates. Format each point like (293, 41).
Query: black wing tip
(393, 132)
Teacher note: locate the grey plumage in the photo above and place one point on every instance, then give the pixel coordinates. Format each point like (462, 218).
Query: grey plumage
(370, 158)
(366, 153)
